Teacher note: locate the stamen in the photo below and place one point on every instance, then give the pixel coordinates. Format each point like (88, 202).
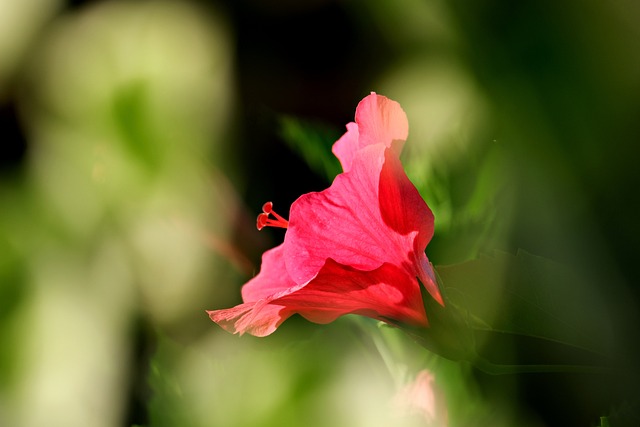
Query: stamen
(263, 219)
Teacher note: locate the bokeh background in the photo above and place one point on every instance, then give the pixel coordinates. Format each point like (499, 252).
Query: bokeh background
(140, 138)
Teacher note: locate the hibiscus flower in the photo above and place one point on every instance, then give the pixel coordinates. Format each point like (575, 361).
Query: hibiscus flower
(354, 248)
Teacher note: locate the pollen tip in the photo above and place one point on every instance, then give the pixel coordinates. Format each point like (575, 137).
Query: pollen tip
(261, 221)
(267, 207)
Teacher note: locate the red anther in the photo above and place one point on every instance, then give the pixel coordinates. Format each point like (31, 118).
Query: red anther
(263, 219)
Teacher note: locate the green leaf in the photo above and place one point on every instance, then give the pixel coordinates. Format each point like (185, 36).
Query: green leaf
(528, 295)
(312, 141)
(130, 114)
(471, 197)
(517, 313)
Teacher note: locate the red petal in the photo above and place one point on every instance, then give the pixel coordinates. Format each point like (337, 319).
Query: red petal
(272, 279)
(401, 206)
(256, 318)
(379, 120)
(346, 147)
(258, 315)
(386, 293)
(369, 216)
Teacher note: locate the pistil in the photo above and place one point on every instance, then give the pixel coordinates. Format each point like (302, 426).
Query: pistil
(264, 220)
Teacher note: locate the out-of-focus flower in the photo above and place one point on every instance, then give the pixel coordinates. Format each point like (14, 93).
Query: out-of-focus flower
(357, 247)
(420, 397)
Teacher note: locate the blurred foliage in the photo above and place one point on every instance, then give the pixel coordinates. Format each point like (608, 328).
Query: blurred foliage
(521, 313)
(294, 376)
(313, 142)
(21, 22)
(527, 295)
(109, 216)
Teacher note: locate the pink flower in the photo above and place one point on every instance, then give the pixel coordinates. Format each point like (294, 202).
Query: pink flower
(356, 247)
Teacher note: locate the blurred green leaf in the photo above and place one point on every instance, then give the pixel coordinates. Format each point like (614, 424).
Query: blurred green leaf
(223, 380)
(521, 311)
(528, 295)
(470, 195)
(130, 110)
(312, 141)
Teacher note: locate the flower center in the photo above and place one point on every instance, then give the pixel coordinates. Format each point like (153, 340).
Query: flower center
(264, 220)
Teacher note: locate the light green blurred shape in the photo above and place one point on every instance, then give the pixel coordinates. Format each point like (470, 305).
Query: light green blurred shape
(73, 347)
(330, 377)
(20, 23)
(124, 103)
(443, 106)
(124, 98)
(160, 56)
(127, 101)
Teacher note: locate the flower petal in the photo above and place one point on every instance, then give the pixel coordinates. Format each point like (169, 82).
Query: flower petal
(258, 318)
(401, 206)
(386, 293)
(369, 216)
(272, 279)
(403, 210)
(379, 120)
(347, 146)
